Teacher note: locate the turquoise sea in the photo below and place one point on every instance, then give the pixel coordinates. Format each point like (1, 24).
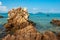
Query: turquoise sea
(42, 21)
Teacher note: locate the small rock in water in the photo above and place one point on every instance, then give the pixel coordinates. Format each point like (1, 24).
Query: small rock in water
(1, 17)
(55, 22)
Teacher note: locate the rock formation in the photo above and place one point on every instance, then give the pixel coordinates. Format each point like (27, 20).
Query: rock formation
(19, 27)
(58, 35)
(48, 35)
(55, 22)
(18, 19)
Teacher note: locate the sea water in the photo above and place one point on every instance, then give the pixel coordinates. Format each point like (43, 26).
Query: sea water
(42, 21)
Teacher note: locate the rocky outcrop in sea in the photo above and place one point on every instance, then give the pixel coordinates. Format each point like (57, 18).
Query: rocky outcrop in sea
(55, 22)
(1, 17)
(19, 27)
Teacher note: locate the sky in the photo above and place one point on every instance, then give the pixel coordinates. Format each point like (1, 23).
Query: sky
(46, 6)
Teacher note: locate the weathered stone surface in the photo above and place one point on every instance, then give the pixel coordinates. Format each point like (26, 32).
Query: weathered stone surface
(58, 36)
(31, 34)
(27, 33)
(48, 35)
(9, 37)
(17, 19)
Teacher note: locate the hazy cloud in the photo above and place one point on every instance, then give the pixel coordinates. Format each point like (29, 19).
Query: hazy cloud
(34, 10)
(0, 3)
(52, 10)
(3, 8)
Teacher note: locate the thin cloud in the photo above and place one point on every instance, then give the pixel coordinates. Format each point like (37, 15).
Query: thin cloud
(35, 8)
(3, 8)
(0, 3)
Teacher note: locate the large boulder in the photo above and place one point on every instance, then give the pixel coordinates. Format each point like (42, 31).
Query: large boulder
(17, 19)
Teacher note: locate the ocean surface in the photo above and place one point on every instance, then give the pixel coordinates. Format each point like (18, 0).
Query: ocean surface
(42, 21)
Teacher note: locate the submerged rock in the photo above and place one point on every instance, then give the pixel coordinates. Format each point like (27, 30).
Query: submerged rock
(55, 22)
(19, 27)
(1, 17)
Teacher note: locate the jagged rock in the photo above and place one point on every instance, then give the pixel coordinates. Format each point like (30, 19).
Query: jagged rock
(27, 33)
(55, 22)
(18, 19)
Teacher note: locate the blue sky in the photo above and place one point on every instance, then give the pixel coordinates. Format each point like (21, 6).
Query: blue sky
(46, 6)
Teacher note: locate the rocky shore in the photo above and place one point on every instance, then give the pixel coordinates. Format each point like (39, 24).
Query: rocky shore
(19, 27)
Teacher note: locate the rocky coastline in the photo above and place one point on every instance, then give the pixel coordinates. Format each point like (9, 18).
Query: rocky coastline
(19, 27)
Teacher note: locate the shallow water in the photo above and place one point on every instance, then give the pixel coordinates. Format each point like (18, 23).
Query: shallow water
(3, 21)
(42, 22)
